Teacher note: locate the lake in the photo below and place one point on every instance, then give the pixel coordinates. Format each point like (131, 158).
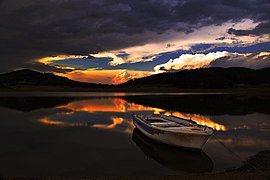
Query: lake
(92, 134)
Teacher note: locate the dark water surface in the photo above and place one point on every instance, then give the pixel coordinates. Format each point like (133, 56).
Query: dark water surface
(88, 134)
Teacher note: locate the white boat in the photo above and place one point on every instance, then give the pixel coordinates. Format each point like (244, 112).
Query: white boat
(173, 130)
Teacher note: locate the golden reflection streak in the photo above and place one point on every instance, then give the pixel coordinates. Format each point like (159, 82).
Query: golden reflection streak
(95, 105)
(116, 121)
(229, 140)
(58, 123)
(50, 122)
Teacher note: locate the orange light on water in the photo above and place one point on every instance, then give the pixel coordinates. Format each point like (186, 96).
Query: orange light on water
(229, 140)
(116, 121)
(107, 105)
(121, 106)
(200, 119)
(96, 105)
(50, 122)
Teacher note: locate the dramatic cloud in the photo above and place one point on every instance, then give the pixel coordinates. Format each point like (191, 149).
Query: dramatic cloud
(190, 61)
(178, 40)
(33, 29)
(261, 29)
(98, 68)
(254, 61)
(216, 59)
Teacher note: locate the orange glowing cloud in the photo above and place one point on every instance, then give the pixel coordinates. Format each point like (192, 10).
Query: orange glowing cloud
(126, 75)
(104, 76)
(51, 59)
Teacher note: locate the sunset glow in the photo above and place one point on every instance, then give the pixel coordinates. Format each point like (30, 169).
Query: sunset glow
(119, 62)
(104, 76)
(49, 60)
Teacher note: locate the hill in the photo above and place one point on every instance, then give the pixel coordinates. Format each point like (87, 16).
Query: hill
(26, 78)
(197, 79)
(207, 78)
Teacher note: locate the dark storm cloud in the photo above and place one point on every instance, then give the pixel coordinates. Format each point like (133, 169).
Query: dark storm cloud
(250, 61)
(263, 28)
(34, 28)
(261, 14)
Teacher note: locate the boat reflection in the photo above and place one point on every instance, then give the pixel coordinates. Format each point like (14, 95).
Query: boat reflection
(172, 157)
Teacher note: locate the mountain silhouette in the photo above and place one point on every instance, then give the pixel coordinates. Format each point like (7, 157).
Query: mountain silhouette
(29, 78)
(204, 78)
(207, 78)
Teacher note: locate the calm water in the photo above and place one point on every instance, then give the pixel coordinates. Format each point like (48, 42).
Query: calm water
(86, 134)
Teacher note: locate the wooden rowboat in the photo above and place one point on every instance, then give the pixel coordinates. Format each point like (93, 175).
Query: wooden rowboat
(173, 130)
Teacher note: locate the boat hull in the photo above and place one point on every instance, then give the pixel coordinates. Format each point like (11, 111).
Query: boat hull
(190, 141)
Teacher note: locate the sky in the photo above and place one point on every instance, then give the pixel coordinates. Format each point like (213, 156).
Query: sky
(113, 41)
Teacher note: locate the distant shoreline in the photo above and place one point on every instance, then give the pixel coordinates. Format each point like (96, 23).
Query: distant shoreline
(235, 91)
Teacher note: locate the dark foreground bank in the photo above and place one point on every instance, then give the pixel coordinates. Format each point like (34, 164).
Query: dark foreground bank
(256, 167)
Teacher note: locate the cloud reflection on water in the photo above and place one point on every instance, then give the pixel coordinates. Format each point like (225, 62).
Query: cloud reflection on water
(122, 107)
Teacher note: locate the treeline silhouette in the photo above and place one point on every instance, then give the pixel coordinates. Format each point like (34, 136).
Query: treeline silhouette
(207, 78)
(27, 77)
